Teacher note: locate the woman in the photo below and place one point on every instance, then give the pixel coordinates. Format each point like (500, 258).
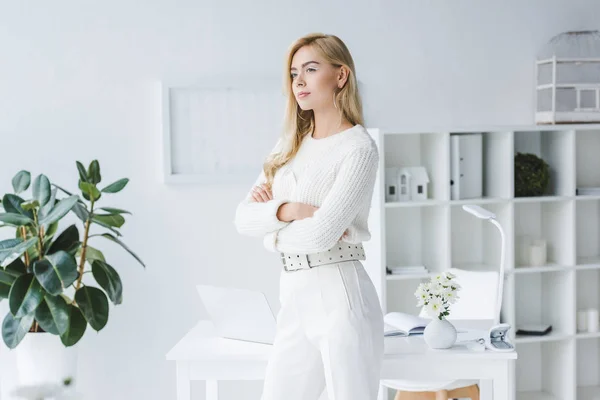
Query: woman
(311, 204)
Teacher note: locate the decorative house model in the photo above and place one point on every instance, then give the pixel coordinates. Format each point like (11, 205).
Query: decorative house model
(568, 79)
(412, 183)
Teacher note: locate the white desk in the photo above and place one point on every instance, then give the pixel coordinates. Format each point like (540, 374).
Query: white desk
(200, 355)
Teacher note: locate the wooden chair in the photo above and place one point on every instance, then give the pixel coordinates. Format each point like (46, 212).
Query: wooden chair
(468, 392)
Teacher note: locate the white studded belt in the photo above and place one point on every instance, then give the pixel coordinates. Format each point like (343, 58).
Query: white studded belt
(340, 252)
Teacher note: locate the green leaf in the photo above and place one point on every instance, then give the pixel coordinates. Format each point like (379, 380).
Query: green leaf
(81, 212)
(6, 281)
(109, 280)
(117, 186)
(93, 303)
(51, 230)
(15, 329)
(53, 315)
(60, 210)
(12, 204)
(25, 295)
(16, 268)
(15, 219)
(91, 254)
(94, 172)
(67, 193)
(21, 181)
(82, 172)
(41, 189)
(89, 190)
(8, 255)
(46, 208)
(67, 241)
(112, 210)
(76, 328)
(113, 220)
(56, 272)
(30, 205)
(123, 245)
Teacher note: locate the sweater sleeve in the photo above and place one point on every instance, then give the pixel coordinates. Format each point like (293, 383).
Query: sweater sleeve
(256, 219)
(351, 190)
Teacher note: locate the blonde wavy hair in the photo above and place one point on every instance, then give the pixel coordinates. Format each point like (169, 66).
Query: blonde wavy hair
(297, 122)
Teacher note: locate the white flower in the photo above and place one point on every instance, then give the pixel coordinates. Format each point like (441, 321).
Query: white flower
(438, 294)
(452, 297)
(434, 307)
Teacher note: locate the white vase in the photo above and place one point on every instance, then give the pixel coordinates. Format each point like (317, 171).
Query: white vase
(439, 334)
(42, 359)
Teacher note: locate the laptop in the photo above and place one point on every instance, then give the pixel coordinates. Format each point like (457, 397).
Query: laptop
(239, 314)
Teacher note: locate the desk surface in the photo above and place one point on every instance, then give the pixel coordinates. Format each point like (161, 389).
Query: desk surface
(201, 344)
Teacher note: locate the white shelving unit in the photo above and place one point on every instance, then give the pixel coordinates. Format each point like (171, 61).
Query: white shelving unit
(437, 233)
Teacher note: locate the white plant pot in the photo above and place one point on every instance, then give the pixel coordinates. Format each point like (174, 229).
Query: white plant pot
(439, 334)
(42, 359)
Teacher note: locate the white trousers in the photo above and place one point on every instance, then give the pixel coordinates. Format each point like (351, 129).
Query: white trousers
(329, 336)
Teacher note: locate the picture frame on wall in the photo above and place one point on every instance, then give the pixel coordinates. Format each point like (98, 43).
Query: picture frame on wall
(219, 130)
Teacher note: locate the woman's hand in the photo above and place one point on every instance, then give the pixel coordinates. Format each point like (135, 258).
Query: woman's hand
(306, 211)
(288, 211)
(261, 193)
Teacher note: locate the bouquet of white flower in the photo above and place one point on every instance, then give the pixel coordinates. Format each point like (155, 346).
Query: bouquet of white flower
(438, 294)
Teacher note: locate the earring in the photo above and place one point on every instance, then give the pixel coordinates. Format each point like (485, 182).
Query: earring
(335, 105)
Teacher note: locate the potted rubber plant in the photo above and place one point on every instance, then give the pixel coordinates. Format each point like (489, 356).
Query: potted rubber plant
(42, 270)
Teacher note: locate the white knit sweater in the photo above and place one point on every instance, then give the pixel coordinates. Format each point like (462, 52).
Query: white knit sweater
(336, 174)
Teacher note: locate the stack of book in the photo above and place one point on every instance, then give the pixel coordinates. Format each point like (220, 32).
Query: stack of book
(587, 191)
(407, 270)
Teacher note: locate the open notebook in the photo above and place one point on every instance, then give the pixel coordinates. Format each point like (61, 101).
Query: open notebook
(403, 324)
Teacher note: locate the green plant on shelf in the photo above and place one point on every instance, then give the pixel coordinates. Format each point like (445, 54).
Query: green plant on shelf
(532, 175)
(39, 269)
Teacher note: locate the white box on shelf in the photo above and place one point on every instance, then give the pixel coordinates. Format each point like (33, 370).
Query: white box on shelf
(466, 164)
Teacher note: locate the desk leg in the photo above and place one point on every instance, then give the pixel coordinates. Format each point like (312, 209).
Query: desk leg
(502, 384)
(212, 390)
(183, 381)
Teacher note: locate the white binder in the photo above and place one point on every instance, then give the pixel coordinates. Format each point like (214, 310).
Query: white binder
(466, 163)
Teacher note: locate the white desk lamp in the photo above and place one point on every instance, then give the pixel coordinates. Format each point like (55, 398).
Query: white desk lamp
(497, 340)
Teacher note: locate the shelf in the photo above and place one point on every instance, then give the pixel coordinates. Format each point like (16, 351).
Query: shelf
(587, 197)
(587, 335)
(403, 277)
(425, 243)
(535, 396)
(587, 295)
(556, 148)
(545, 370)
(544, 268)
(428, 150)
(475, 243)
(479, 201)
(587, 144)
(588, 368)
(439, 234)
(414, 203)
(588, 231)
(588, 392)
(543, 299)
(551, 337)
(588, 263)
(537, 199)
(550, 221)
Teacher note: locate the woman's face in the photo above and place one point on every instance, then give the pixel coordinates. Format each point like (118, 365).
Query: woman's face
(314, 80)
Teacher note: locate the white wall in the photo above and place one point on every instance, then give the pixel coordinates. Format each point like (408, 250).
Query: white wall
(77, 82)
